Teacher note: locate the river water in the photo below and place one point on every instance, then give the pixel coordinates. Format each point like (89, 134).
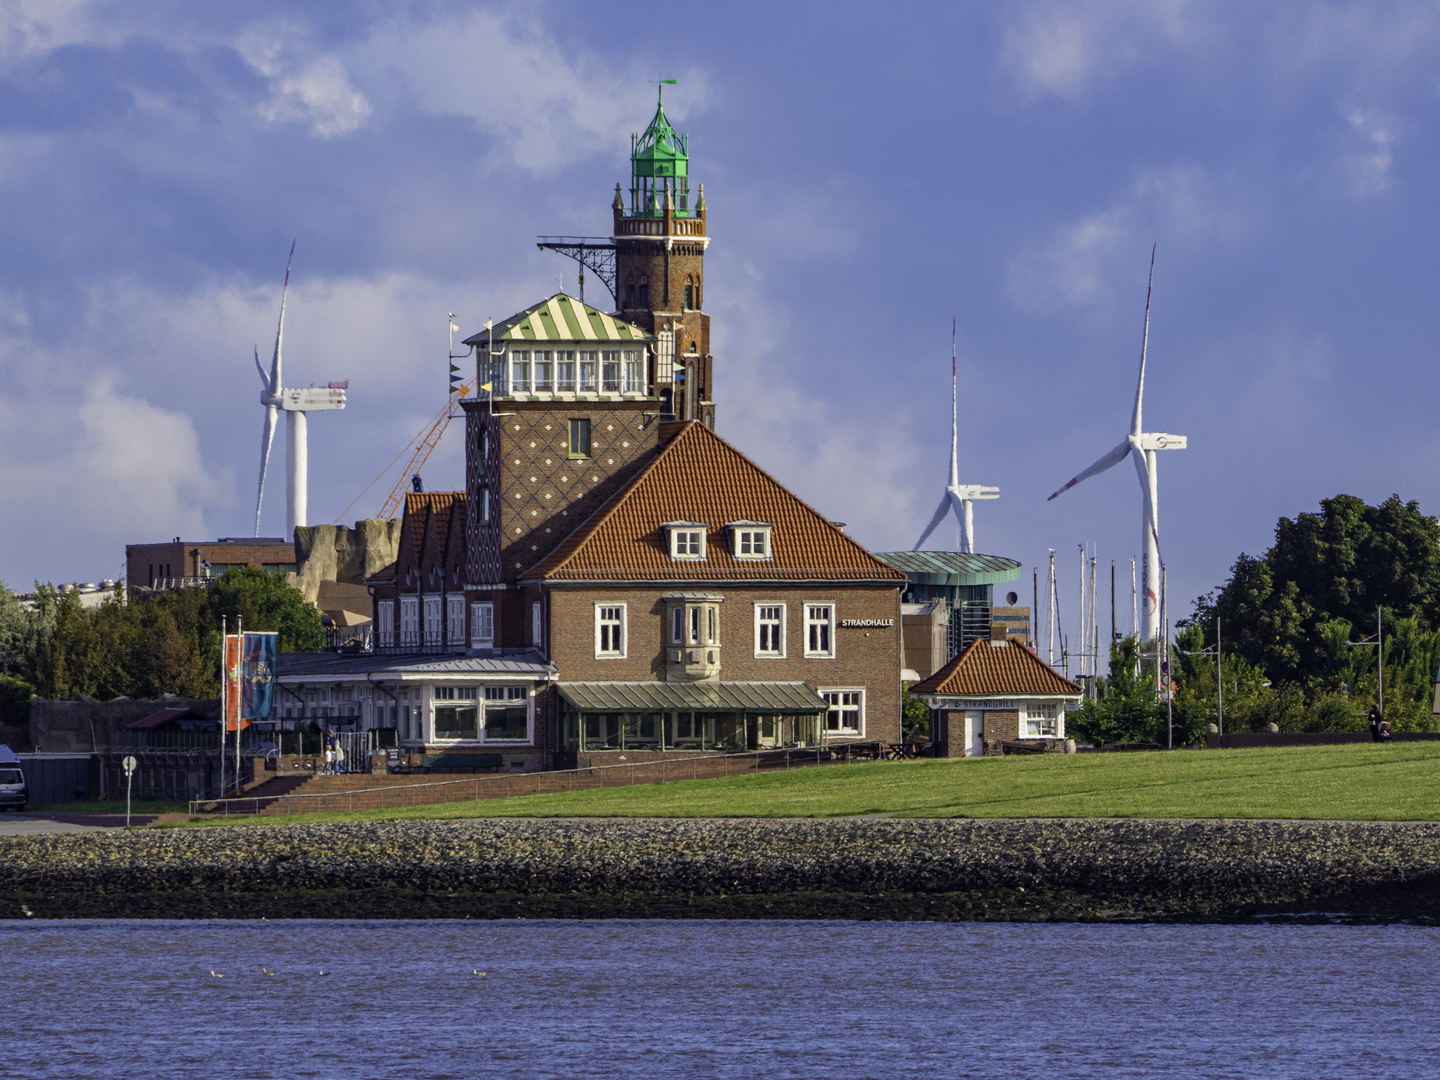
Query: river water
(716, 999)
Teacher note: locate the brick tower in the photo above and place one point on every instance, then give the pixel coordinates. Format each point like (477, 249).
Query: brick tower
(660, 243)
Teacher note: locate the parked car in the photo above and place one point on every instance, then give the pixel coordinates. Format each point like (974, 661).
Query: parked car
(13, 790)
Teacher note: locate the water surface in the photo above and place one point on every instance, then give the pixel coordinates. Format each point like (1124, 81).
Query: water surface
(716, 999)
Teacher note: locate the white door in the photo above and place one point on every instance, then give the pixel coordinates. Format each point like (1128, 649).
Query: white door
(975, 734)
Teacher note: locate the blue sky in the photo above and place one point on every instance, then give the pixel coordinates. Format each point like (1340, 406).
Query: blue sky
(871, 172)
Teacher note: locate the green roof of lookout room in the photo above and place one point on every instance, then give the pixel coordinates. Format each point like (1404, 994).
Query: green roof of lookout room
(659, 155)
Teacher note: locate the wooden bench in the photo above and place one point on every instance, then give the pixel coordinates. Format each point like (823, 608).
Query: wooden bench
(461, 763)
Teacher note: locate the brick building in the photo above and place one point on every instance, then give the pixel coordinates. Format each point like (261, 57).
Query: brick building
(996, 691)
(657, 590)
(179, 562)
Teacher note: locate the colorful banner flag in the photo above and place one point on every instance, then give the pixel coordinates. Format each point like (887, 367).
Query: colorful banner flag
(257, 676)
(231, 689)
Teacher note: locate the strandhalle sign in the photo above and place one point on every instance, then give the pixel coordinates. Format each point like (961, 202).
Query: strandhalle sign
(865, 624)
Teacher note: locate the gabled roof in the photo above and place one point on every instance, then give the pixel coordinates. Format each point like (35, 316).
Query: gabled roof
(560, 318)
(984, 670)
(418, 505)
(166, 716)
(700, 477)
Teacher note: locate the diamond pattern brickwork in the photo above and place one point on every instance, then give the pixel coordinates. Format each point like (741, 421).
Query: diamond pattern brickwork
(542, 494)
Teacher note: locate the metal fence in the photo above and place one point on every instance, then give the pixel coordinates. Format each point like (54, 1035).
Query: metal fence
(705, 767)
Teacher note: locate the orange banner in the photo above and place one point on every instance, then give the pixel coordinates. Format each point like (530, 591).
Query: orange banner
(231, 687)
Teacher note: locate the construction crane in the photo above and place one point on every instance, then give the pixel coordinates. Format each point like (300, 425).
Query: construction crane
(420, 448)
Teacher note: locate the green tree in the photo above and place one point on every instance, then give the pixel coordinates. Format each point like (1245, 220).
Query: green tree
(268, 602)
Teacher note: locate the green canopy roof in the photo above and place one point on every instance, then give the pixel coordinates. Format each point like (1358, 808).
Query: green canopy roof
(760, 697)
(952, 568)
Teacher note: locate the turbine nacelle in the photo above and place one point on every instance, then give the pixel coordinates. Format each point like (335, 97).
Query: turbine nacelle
(968, 492)
(308, 399)
(1159, 441)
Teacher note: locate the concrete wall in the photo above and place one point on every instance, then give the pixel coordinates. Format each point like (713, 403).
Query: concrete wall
(339, 553)
(88, 726)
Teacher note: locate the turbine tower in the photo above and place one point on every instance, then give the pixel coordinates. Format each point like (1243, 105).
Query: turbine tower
(958, 497)
(1140, 447)
(295, 403)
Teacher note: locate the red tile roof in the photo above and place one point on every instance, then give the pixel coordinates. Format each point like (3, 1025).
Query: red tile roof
(988, 670)
(417, 505)
(700, 477)
(165, 716)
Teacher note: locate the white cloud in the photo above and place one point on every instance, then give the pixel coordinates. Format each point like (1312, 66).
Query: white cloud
(1060, 48)
(1075, 266)
(544, 103)
(313, 89)
(1368, 168)
(98, 463)
(37, 26)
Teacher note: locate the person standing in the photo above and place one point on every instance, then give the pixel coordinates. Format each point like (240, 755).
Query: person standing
(1374, 724)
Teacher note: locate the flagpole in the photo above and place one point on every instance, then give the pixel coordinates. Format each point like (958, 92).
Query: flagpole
(239, 663)
(224, 699)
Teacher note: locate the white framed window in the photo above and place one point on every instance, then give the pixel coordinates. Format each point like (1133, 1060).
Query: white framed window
(543, 372)
(1041, 720)
(770, 630)
(610, 372)
(537, 625)
(687, 539)
(749, 539)
(433, 615)
(409, 620)
(610, 631)
(455, 620)
(482, 506)
(820, 630)
(385, 615)
(519, 373)
(565, 372)
(846, 715)
(589, 372)
(634, 371)
(482, 625)
(507, 714)
(455, 713)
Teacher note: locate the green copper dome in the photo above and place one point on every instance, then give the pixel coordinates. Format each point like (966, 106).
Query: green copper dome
(659, 156)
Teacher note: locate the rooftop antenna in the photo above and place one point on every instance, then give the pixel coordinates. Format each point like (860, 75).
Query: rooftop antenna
(958, 497)
(1141, 447)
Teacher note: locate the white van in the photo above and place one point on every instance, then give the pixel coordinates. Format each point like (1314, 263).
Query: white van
(13, 790)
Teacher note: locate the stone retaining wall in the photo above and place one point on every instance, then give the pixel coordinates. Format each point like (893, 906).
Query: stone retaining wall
(839, 868)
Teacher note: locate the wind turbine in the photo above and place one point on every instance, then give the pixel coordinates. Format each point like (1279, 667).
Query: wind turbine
(295, 403)
(958, 497)
(1140, 447)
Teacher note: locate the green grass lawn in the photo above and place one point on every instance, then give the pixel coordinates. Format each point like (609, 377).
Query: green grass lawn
(1356, 782)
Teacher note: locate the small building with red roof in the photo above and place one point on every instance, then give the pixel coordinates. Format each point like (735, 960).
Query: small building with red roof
(997, 691)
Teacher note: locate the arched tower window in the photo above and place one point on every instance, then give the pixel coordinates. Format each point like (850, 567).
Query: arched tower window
(689, 295)
(644, 291)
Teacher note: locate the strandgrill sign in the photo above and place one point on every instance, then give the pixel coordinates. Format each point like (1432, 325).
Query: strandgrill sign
(866, 624)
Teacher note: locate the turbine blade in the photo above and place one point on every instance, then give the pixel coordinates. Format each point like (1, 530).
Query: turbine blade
(264, 379)
(934, 522)
(1111, 459)
(266, 438)
(280, 329)
(1135, 420)
(1142, 469)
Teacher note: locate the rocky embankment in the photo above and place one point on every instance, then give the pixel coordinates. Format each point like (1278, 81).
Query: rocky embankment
(671, 868)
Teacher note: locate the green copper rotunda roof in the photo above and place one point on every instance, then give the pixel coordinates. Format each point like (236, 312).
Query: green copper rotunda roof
(661, 151)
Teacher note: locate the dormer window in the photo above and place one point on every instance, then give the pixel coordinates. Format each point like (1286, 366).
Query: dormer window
(687, 539)
(749, 539)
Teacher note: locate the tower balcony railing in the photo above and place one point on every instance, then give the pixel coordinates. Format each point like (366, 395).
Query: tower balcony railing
(655, 226)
